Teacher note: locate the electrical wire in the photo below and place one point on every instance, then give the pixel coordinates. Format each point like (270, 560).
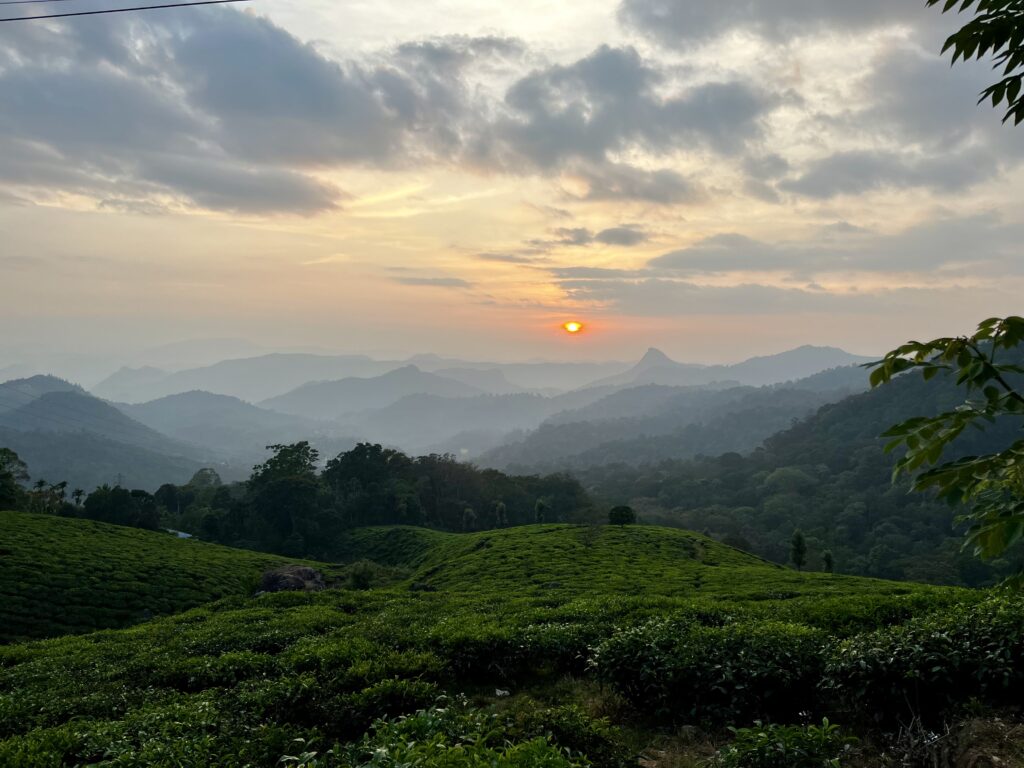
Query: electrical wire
(30, 2)
(113, 10)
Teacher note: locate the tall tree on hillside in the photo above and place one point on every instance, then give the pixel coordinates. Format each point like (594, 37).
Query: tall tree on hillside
(828, 561)
(284, 492)
(798, 550)
(13, 472)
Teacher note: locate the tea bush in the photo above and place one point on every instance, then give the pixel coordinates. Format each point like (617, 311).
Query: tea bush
(781, 746)
(930, 665)
(738, 673)
(453, 736)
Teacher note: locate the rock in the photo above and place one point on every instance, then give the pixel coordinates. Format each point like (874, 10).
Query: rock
(292, 578)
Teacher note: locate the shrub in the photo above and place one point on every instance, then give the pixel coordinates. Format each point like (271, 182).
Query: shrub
(454, 736)
(572, 729)
(930, 665)
(784, 746)
(736, 673)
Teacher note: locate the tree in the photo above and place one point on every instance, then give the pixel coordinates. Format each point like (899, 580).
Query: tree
(501, 515)
(622, 516)
(13, 472)
(828, 561)
(991, 486)
(78, 495)
(122, 507)
(205, 478)
(540, 511)
(798, 550)
(997, 30)
(297, 460)
(468, 519)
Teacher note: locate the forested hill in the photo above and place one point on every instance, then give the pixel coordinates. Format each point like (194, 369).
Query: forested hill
(652, 423)
(828, 475)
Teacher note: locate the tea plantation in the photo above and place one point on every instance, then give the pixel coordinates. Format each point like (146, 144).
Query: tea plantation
(641, 560)
(534, 646)
(61, 575)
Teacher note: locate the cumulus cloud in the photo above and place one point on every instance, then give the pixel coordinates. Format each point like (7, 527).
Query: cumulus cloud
(221, 110)
(610, 100)
(244, 97)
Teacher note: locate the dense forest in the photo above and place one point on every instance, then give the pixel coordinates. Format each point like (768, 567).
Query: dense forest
(292, 507)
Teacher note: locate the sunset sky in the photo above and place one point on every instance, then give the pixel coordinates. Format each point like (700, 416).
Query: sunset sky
(719, 178)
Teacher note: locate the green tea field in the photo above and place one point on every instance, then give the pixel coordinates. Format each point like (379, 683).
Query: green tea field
(534, 646)
(61, 576)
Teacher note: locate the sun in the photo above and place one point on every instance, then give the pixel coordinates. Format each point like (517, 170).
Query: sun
(573, 327)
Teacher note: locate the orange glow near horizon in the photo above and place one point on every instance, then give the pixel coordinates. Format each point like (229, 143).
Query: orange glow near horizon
(573, 327)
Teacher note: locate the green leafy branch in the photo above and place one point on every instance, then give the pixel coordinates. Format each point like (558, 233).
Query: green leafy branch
(992, 484)
(997, 30)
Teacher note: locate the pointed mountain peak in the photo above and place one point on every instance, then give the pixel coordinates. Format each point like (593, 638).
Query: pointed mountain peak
(654, 358)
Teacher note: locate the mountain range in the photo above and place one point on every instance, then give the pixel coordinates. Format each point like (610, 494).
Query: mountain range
(501, 415)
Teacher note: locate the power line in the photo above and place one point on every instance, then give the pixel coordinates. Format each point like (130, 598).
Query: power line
(30, 2)
(119, 10)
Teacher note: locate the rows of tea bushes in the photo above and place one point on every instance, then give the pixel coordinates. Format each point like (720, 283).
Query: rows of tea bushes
(60, 575)
(688, 670)
(238, 682)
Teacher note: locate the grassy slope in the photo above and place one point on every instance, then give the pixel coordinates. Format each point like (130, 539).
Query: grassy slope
(60, 576)
(233, 683)
(635, 560)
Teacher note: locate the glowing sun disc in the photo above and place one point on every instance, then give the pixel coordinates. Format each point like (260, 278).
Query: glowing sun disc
(573, 327)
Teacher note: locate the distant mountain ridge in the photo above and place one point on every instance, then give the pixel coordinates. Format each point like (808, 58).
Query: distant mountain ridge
(251, 379)
(655, 367)
(18, 392)
(64, 433)
(236, 430)
(334, 399)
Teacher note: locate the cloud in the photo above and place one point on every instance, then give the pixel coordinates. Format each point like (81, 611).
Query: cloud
(594, 273)
(968, 244)
(222, 110)
(245, 98)
(859, 171)
(609, 101)
(624, 236)
(680, 23)
(621, 182)
(658, 297)
(433, 282)
(728, 253)
(509, 258)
